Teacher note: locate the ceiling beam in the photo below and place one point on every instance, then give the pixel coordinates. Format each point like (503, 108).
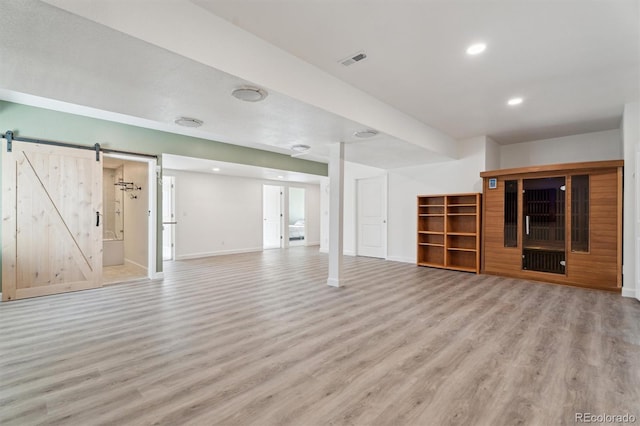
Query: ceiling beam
(183, 27)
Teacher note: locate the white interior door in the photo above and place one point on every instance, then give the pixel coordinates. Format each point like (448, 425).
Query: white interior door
(272, 216)
(51, 231)
(372, 217)
(168, 218)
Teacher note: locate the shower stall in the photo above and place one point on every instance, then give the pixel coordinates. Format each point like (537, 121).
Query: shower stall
(113, 219)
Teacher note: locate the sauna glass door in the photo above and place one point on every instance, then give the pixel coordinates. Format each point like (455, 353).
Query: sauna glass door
(543, 232)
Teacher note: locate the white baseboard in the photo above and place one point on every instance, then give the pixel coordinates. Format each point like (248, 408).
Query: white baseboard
(313, 243)
(629, 292)
(157, 276)
(136, 264)
(402, 259)
(353, 253)
(216, 253)
(345, 253)
(333, 282)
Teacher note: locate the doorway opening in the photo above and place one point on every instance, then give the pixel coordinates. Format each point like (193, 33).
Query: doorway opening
(272, 216)
(297, 227)
(129, 236)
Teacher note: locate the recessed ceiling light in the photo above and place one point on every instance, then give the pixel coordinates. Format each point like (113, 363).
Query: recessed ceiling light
(280, 177)
(249, 94)
(369, 133)
(476, 49)
(216, 169)
(300, 147)
(188, 122)
(514, 101)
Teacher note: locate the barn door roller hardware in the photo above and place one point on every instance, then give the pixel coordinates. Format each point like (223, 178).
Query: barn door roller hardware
(10, 137)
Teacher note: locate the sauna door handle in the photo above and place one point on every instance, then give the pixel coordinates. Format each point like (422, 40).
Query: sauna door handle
(526, 222)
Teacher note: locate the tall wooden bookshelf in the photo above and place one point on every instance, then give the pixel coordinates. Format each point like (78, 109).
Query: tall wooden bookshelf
(449, 231)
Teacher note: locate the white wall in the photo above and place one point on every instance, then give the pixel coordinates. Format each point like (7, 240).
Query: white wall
(352, 172)
(595, 146)
(492, 155)
(631, 221)
(457, 176)
(223, 214)
(136, 216)
(216, 215)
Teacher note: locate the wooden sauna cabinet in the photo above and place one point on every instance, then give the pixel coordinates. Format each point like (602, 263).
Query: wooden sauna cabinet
(557, 223)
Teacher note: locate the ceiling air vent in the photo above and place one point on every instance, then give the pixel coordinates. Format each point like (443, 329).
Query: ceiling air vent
(352, 59)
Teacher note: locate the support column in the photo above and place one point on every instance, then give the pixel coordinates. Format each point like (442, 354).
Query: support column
(631, 186)
(336, 213)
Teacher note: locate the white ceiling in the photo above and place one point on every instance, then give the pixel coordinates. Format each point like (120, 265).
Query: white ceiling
(575, 62)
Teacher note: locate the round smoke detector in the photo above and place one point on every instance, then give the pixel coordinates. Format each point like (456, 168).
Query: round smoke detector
(369, 133)
(249, 94)
(188, 122)
(300, 148)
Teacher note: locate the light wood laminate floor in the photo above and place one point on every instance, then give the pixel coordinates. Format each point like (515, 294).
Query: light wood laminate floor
(260, 339)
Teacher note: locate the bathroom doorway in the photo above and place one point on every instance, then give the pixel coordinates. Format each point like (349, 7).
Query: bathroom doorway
(129, 198)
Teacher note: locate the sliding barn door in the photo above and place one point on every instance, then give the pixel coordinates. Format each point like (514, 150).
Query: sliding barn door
(51, 239)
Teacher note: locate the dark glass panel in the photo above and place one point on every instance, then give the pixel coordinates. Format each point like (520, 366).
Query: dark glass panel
(580, 213)
(511, 213)
(543, 237)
